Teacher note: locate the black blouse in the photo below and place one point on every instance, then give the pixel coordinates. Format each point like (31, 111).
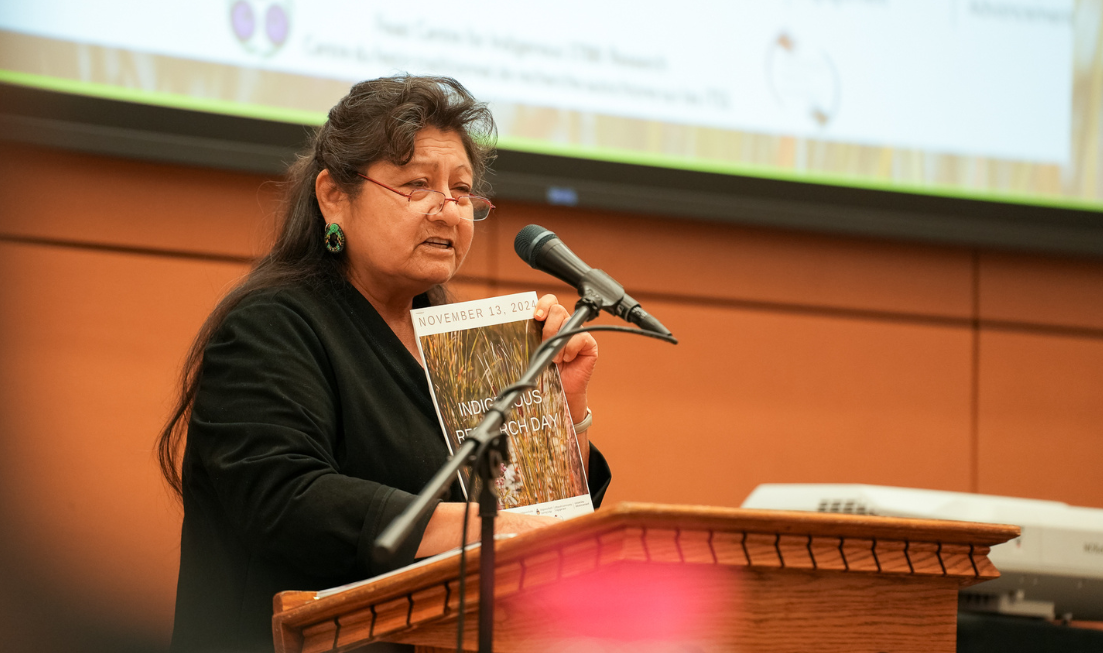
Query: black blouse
(313, 427)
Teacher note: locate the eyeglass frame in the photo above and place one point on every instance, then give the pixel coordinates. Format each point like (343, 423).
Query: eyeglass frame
(409, 198)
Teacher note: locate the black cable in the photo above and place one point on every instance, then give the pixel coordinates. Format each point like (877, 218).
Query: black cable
(510, 388)
(569, 334)
(597, 327)
(463, 574)
(522, 386)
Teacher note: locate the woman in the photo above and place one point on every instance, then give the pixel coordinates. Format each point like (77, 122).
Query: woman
(309, 420)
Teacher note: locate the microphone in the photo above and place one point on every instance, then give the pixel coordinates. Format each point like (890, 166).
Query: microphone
(543, 250)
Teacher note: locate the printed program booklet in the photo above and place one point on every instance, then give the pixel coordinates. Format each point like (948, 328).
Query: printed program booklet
(472, 350)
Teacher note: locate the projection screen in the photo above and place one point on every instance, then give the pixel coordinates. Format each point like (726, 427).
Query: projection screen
(984, 99)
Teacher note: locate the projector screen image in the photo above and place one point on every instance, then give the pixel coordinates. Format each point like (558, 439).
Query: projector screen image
(988, 99)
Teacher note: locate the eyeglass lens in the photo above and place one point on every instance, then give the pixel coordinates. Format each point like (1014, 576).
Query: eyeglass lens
(431, 202)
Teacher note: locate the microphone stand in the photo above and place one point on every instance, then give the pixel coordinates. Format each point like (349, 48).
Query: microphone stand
(487, 449)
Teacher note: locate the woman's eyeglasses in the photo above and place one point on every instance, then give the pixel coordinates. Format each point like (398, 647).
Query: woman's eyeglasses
(431, 202)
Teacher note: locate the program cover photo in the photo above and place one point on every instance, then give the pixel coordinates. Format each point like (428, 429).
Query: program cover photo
(472, 350)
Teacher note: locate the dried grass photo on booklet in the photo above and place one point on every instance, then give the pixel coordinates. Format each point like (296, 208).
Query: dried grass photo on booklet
(472, 351)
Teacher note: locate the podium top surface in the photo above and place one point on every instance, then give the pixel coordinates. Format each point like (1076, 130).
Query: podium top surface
(656, 533)
(793, 522)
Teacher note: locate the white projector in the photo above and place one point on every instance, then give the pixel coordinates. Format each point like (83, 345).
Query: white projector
(1054, 568)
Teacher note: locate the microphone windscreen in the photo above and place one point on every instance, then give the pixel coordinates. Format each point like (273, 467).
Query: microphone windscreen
(528, 241)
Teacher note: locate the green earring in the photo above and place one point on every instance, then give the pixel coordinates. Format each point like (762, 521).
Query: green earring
(334, 238)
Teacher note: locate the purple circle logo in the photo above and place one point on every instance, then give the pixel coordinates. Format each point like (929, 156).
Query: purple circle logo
(261, 26)
(243, 20)
(276, 24)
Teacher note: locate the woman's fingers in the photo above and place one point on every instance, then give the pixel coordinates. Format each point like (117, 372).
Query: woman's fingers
(557, 315)
(543, 305)
(581, 344)
(576, 359)
(554, 315)
(517, 523)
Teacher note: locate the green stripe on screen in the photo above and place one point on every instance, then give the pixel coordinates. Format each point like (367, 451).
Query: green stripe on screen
(535, 146)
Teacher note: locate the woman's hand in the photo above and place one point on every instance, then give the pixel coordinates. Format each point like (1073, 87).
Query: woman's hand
(443, 530)
(512, 522)
(576, 361)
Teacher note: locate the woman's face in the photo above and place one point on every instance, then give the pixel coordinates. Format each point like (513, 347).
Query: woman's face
(395, 253)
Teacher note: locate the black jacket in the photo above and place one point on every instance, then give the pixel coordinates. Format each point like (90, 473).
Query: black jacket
(313, 427)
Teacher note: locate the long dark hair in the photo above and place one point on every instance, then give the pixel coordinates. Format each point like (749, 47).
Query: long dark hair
(377, 121)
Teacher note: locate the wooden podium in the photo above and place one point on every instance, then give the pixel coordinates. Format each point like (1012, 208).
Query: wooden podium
(648, 578)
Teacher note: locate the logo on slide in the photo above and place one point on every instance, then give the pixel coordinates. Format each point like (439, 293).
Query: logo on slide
(262, 26)
(803, 79)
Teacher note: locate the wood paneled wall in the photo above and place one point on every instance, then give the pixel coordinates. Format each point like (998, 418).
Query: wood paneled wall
(803, 358)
